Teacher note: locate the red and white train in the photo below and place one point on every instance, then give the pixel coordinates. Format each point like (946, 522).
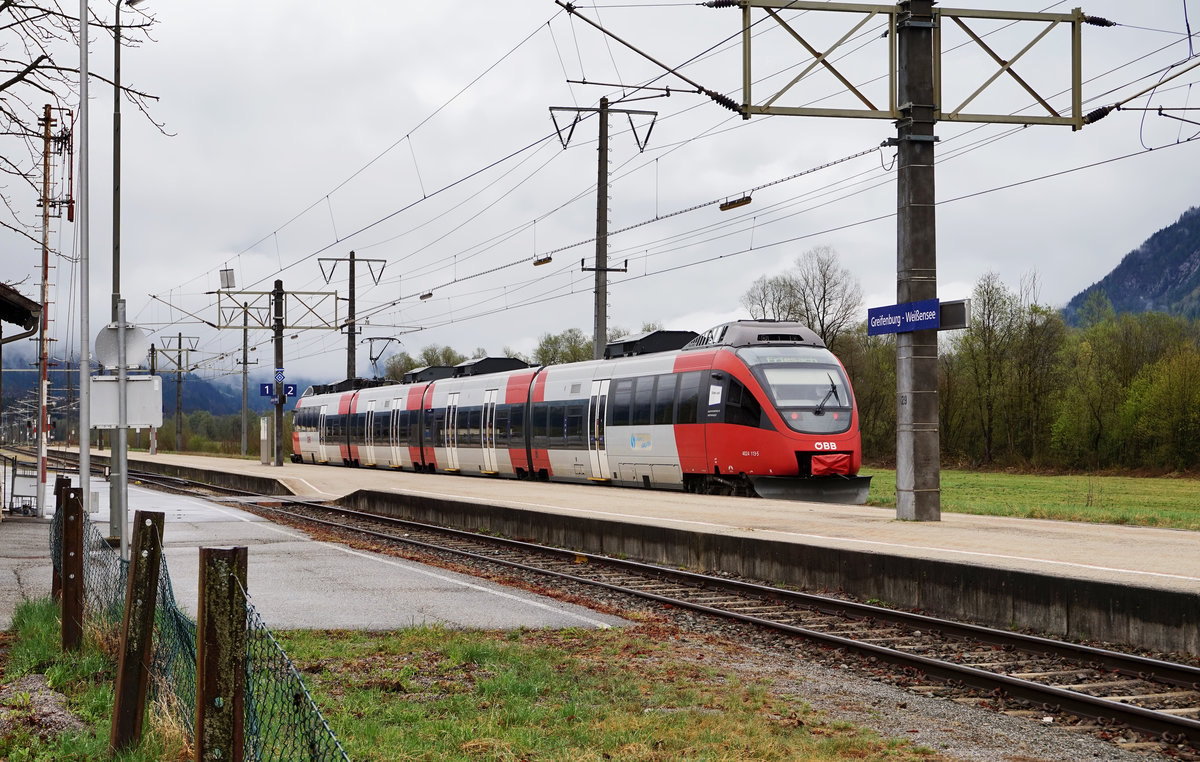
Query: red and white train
(749, 407)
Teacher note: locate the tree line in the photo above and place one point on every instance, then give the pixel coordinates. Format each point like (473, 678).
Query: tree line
(1019, 387)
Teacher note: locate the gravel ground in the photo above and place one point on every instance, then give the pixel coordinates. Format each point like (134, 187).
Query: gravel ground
(953, 730)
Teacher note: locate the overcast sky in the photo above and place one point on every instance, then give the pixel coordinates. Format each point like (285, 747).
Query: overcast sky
(420, 134)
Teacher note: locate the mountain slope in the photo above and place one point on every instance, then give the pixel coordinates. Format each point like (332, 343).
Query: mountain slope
(1163, 274)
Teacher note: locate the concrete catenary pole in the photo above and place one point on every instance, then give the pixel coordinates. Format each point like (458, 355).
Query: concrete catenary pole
(277, 297)
(600, 337)
(245, 373)
(351, 360)
(918, 483)
(179, 394)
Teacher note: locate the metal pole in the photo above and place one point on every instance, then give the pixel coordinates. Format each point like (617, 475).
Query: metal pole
(43, 338)
(115, 496)
(120, 452)
(351, 363)
(918, 478)
(179, 395)
(85, 355)
(245, 373)
(600, 337)
(116, 162)
(277, 297)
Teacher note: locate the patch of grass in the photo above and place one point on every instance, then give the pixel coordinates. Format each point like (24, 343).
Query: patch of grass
(1139, 501)
(86, 677)
(631, 694)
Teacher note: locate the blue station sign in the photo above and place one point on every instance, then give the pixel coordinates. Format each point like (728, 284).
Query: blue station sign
(902, 318)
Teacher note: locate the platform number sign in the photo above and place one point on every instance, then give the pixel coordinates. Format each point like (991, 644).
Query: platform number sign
(289, 390)
(266, 390)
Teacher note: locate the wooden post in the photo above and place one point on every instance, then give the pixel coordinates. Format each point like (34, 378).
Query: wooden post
(72, 574)
(221, 654)
(137, 631)
(61, 485)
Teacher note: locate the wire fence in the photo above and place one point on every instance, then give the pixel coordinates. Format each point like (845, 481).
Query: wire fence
(282, 721)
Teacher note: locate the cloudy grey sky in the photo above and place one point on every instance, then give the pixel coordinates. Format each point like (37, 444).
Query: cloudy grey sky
(420, 134)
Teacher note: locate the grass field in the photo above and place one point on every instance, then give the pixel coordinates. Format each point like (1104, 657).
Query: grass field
(632, 693)
(427, 693)
(1142, 501)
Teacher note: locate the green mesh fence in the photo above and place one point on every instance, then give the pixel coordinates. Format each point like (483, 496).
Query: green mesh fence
(282, 720)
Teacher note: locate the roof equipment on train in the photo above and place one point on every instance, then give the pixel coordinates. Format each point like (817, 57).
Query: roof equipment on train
(745, 333)
(427, 373)
(348, 385)
(647, 343)
(483, 365)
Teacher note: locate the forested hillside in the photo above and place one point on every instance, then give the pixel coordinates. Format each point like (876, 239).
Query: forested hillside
(1163, 274)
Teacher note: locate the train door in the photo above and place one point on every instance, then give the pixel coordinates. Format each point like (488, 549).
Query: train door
(396, 451)
(369, 435)
(322, 436)
(451, 432)
(597, 449)
(490, 461)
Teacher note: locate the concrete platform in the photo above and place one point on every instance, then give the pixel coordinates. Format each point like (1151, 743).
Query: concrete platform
(1124, 584)
(295, 582)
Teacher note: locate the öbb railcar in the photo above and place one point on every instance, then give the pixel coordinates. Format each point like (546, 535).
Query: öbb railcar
(749, 407)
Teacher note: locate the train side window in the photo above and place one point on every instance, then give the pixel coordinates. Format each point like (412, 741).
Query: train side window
(688, 405)
(741, 406)
(621, 402)
(516, 419)
(643, 402)
(433, 426)
(474, 426)
(501, 426)
(556, 425)
(538, 424)
(576, 428)
(664, 399)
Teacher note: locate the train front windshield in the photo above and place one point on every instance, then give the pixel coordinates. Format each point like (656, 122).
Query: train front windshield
(806, 385)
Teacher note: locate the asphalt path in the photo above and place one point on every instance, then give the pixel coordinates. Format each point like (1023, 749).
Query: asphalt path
(294, 581)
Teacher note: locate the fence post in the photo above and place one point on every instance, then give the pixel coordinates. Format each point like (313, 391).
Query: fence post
(61, 485)
(137, 631)
(72, 575)
(221, 654)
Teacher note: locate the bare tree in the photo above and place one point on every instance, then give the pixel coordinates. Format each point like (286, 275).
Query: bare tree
(818, 292)
(39, 65)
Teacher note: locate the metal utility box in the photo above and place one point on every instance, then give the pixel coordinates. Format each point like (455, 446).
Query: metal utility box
(143, 395)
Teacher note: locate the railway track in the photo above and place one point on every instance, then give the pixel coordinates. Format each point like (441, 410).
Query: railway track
(1106, 690)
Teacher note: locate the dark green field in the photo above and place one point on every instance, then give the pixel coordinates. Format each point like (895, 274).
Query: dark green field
(1143, 501)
